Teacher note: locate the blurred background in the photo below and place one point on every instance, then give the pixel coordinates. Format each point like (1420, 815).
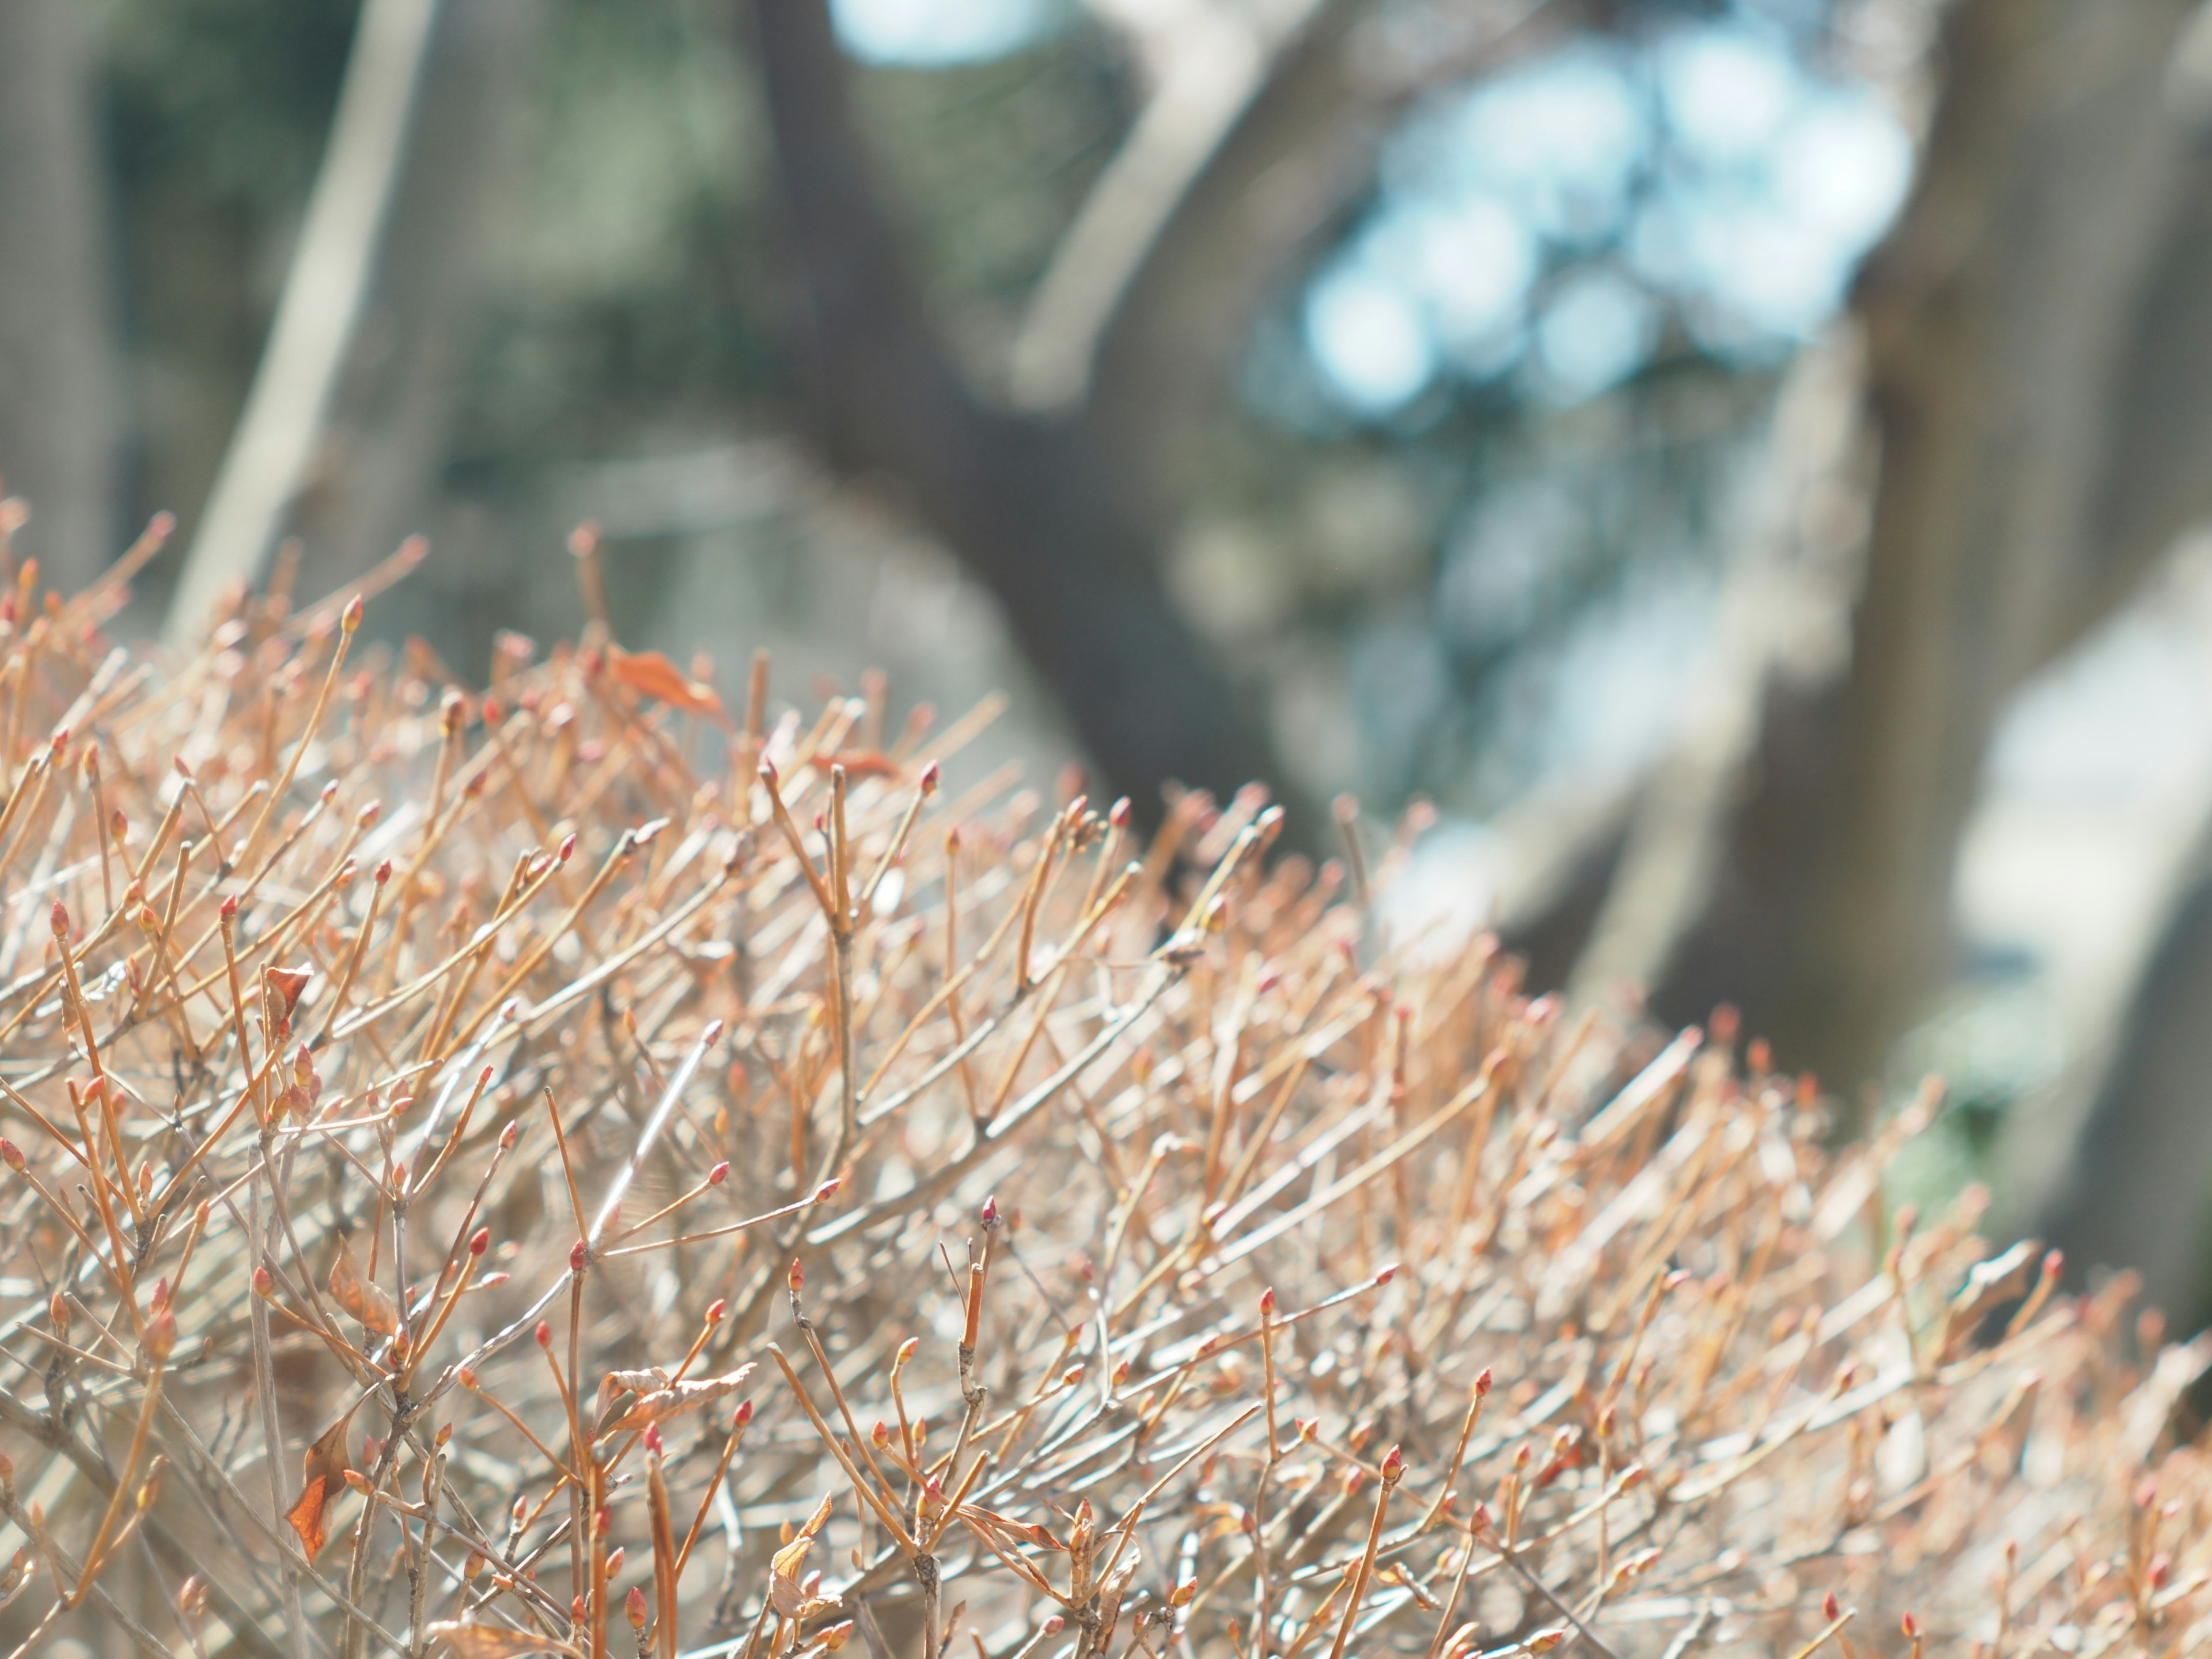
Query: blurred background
(1740, 464)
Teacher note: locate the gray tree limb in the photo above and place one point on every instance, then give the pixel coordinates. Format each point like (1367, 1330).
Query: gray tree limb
(320, 308)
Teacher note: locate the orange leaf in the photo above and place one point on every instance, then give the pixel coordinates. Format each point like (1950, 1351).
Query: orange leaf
(862, 763)
(491, 1641)
(290, 982)
(323, 1471)
(652, 675)
(370, 1303)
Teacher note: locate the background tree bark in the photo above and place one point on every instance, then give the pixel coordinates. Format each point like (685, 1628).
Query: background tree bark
(2001, 323)
(1026, 503)
(58, 431)
(2116, 1168)
(1063, 511)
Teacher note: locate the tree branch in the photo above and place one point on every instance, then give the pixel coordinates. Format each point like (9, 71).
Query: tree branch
(275, 437)
(1212, 65)
(1248, 196)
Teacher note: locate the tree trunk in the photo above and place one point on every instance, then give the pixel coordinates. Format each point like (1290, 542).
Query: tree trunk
(57, 393)
(2126, 1183)
(2117, 1169)
(2000, 322)
(1028, 503)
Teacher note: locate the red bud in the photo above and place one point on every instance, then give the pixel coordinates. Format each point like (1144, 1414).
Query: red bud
(479, 1241)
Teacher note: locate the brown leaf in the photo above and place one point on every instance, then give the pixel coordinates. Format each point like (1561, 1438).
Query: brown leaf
(783, 1591)
(652, 675)
(370, 1303)
(640, 1382)
(664, 1403)
(289, 982)
(491, 1641)
(323, 1472)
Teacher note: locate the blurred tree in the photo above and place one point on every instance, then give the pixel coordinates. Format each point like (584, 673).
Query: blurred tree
(1253, 139)
(2032, 452)
(57, 407)
(349, 408)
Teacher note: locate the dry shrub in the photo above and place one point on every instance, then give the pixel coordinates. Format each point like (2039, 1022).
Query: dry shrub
(430, 1097)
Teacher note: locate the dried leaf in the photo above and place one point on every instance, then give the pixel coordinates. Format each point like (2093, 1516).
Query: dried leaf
(641, 1382)
(323, 1472)
(1109, 1597)
(288, 984)
(652, 675)
(370, 1303)
(662, 1404)
(491, 1641)
(784, 1593)
(862, 763)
